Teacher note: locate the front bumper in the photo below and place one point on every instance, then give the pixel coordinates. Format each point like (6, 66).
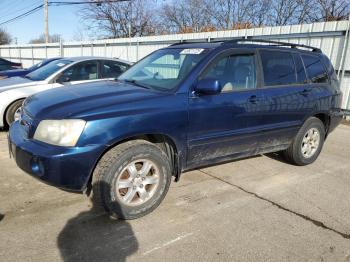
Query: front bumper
(66, 168)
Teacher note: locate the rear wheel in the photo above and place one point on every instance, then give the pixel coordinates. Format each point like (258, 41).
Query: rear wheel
(307, 144)
(13, 112)
(132, 179)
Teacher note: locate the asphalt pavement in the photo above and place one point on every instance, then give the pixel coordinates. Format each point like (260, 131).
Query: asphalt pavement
(256, 209)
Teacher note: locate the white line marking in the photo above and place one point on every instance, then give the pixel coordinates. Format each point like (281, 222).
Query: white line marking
(167, 243)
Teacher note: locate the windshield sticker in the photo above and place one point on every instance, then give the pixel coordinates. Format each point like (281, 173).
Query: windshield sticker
(61, 64)
(192, 51)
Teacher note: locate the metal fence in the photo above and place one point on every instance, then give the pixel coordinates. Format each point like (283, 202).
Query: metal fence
(331, 37)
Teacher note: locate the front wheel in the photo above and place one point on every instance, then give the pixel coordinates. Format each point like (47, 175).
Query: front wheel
(132, 179)
(307, 144)
(13, 112)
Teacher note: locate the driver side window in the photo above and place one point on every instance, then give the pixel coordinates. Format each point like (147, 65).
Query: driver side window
(235, 72)
(80, 72)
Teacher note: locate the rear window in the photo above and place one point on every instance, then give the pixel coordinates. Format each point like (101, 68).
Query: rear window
(301, 76)
(315, 70)
(278, 68)
(331, 72)
(113, 69)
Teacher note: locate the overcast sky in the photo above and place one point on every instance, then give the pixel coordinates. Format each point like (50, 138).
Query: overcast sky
(63, 20)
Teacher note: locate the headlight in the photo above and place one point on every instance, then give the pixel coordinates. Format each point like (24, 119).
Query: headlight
(60, 132)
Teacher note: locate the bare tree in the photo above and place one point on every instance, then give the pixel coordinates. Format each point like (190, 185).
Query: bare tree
(41, 39)
(231, 14)
(138, 17)
(5, 37)
(119, 19)
(330, 10)
(286, 12)
(185, 16)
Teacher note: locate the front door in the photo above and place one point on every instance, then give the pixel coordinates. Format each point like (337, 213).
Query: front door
(83, 72)
(223, 126)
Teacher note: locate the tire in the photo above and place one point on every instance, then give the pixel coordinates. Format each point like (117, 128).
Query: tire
(301, 153)
(11, 110)
(113, 183)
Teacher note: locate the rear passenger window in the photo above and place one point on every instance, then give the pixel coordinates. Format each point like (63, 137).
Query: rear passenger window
(113, 69)
(315, 69)
(278, 68)
(301, 76)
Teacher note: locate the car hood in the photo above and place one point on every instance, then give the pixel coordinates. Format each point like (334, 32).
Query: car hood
(88, 101)
(14, 82)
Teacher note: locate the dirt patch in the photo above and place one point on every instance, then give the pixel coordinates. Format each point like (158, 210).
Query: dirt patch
(345, 122)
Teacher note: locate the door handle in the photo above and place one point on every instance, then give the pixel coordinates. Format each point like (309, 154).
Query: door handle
(253, 99)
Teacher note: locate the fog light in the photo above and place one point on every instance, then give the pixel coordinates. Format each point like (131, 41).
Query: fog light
(37, 167)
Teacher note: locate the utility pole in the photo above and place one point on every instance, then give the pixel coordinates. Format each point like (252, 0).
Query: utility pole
(130, 22)
(46, 15)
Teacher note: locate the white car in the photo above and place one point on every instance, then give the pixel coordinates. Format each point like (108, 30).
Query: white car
(61, 72)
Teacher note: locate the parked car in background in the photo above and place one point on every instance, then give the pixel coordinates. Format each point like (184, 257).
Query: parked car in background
(180, 108)
(61, 72)
(24, 71)
(8, 65)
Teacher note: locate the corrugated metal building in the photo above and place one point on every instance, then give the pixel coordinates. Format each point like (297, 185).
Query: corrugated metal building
(331, 37)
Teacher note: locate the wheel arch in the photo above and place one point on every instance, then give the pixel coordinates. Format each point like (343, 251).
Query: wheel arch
(7, 108)
(325, 119)
(165, 142)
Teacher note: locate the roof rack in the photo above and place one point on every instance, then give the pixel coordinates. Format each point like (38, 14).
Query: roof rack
(275, 43)
(249, 39)
(204, 41)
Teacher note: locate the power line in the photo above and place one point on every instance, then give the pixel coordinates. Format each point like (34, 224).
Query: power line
(35, 9)
(16, 11)
(59, 3)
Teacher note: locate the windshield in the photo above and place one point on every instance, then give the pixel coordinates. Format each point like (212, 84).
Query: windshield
(36, 66)
(165, 68)
(44, 72)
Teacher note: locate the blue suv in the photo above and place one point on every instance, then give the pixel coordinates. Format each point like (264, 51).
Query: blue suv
(182, 107)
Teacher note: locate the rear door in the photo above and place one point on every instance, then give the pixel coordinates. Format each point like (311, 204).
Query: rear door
(287, 98)
(112, 69)
(223, 126)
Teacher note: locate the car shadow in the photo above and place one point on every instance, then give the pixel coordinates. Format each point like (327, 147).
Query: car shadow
(277, 156)
(1, 217)
(94, 236)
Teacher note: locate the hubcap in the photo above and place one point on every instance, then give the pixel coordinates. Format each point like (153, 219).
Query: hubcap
(17, 114)
(137, 183)
(310, 143)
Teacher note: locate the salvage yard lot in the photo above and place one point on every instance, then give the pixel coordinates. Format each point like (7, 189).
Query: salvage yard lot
(256, 209)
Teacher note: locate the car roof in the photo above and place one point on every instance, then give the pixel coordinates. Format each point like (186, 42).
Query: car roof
(87, 58)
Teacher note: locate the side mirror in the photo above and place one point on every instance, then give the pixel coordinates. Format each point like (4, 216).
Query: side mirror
(208, 86)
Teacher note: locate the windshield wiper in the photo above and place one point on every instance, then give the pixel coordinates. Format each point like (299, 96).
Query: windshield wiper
(132, 81)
